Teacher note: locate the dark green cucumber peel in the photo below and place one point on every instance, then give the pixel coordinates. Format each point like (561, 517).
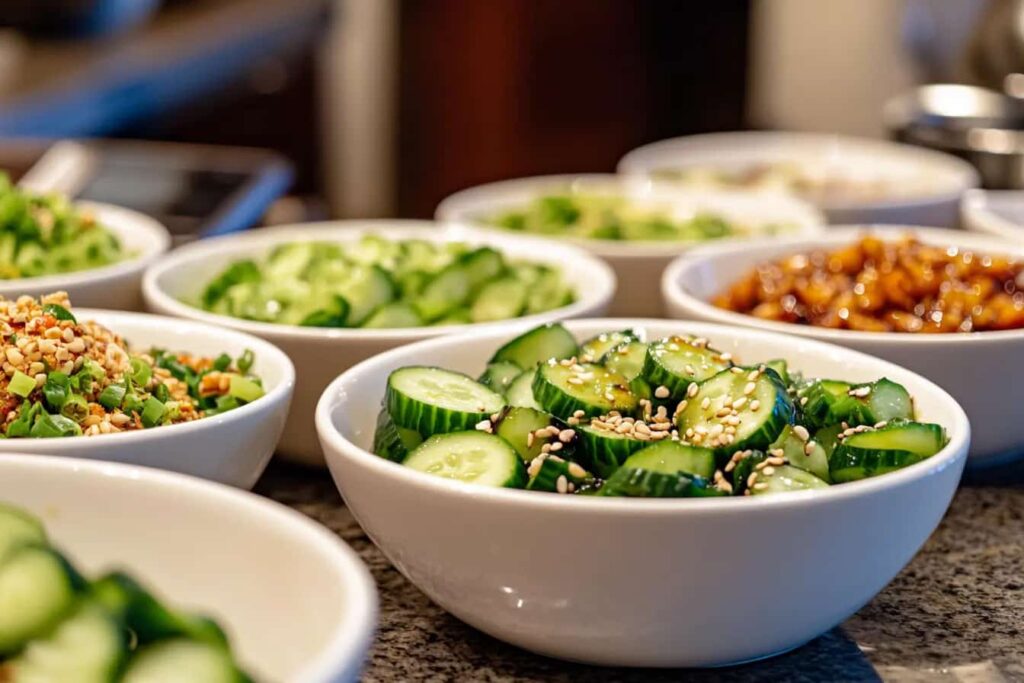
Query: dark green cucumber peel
(391, 441)
(676, 363)
(545, 475)
(672, 457)
(603, 451)
(432, 401)
(560, 390)
(873, 452)
(538, 345)
(528, 430)
(638, 483)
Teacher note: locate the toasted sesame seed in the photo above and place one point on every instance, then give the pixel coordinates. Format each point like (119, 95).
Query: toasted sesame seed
(692, 390)
(881, 425)
(760, 486)
(860, 392)
(768, 471)
(661, 392)
(754, 374)
(575, 380)
(776, 462)
(755, 405)
(706, 403)
(809, 447)
(751, 479)
(577, 471)
(777, 452)
(578, 414)
(739, 403)
(749, 388)
(530, 436)
(556, 446)
(689, 370)
(725, 357)
(761, 465)
(483, 426)
(562, 484)
(566, 435)
(737, 370)
(801, 432)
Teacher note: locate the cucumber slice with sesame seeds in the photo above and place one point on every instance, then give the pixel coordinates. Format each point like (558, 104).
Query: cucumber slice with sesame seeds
(783, 479)
(670, 457)
(781, 368)
(473, 457)
(603, 451)
(638, 483)
(745, 464)
(676, 362)
(538, 345)
(391, 441)
(499, 376)
(877, 451)
(831, 402)
(722, 415)
(529, 430)
(520, 391)
(545, 476)
(435, 401)
(564, 389)
(626, 359)
(807, 455)
(888, 400)
(593, 349)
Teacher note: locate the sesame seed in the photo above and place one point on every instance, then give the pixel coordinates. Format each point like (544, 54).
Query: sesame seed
(578, 414)
(776, 462)
(749, 388)
(881, 425)
(737, 370)
(739, 403)
(705, 404)
(577, 471)
(755, 405)
(661, 392)
(726, 357)
(809, 447)
(689, 370)
(777, 452)
(566, 435)
(768, 471)
(692, 390)
(556, 446)
(860, 392)
(529, 439)
(760, 486)
(801, 432)
(754, 374)
(483, 426)
(761, 465)
(575, 380)
(562, 484)
(751, 479)
(609, 395)
(573, 421)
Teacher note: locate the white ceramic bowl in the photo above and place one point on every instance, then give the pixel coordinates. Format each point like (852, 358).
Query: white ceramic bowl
(231, 448)
(116, 286)
(638, 264)
(996, 212)
(320, 354)
(982, 371)
(684, 582)
(926, 184)
(297, 603)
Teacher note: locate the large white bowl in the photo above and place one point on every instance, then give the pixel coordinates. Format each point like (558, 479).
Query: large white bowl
(116, 286)
(982, 371)
(995, 212)
(231, 448)
(320, 354)
(685, 582)
(638, 264)
(297, 603)
(931, 181)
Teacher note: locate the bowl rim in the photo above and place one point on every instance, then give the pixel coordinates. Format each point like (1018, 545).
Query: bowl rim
(604, 281)
(978, 216)
(952, 455)
(809, 218)
(118, 220)
(964, 174)
(261, 348)
(347, 645)
(675, 294)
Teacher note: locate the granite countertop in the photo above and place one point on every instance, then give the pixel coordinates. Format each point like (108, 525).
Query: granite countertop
(955, 614)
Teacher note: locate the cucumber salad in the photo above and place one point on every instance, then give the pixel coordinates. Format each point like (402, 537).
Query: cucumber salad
(381, 283)
(57, 625)
(620, 415)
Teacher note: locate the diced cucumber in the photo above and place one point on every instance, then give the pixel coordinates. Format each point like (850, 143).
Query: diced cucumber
(785, 478)
(626, 359)
(831, 402)
(17, 528)
(828, 437)
(795, 451)
(593, 389)
(672, 457)
(604, 451)
(391, 441)
(394, 315)
(746, 464)
(520, 391)
(538, 346)
(675, 363)
(547, 292)
(516, 425)
(367, 289)
(638, 483)
(448, 290)
(471, 456)
(481, 265)
(89, 646)
(546, 476)
(499, 376)
(877, 451)
(180, 659)
(888, 400)
(37, 589)
(434, 401)
(593, 349)
(710, 411)
(499, 299)
(781, 368)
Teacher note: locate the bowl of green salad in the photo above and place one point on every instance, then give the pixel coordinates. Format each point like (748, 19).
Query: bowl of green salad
(333, 294)
(124, 574)
(643, 492)
(636, 225)
(95, 252)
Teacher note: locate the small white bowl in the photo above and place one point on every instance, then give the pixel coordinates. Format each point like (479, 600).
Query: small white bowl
(231, 448)
(684, 582)
(995, 212)
(638, 264)
(320, 354)
(296, 602)
(116, 286)
(926, 184)
(982, 371)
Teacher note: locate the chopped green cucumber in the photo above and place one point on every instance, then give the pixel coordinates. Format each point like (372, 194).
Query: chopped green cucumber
(638, 483)
(528, 430)
(807, 455)
(546, 474)
(391, 441)
(499, 299)
(471, 456)
(434, 401)
(481, 265)
(448, 290)
(499, 376)
(604, 451)
(746, 464)
(888, 400)
(393, 316)
(520, 391)
(832, 402)
(17, 528)
(366, 290)
(593, 349)
(181, 659)
(672, 457)
(37, 590)
(626, 359)
(676, 362)
(563, 390)
(781, 368)
(785, 478)
(877, 451)
(538, 345)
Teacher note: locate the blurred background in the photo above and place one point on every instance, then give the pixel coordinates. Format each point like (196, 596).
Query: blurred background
(346, 108)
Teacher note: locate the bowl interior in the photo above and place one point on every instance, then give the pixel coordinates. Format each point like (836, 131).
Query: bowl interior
(998, 212)
(290, 595)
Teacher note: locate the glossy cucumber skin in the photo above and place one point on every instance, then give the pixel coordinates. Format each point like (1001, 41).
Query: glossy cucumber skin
(554, 392)
(538, 345)
(639, 483)
(426, 418)
(516, 422)
(604, 452)
(391, 441)
(658, 369)
(546, 478)
(672, 457)
(898, 445)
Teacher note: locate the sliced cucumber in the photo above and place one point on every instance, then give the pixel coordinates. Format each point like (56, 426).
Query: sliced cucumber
(520, 391)
(563, 390)
(877, 451)
(831, 402)
(746, 464)
(676, 362)
(549, 291)
(392, 316)
(499, 299)
(807, 455)
(604, 451)
(435, 401)
(538, 345)
(781, 368)
(888, 400)
(557, 475)
(785, 478)
(638, 483)
(37, 590)
(528, 430)
(499, 376)
(672, 457)
(366, 290)
(89, 646)
(711, 412)
(391, 441)
(448, 290)
(481, 265)
(593, 349)
(180, 659)
(17, 527)
(626, 359)
(473, 457)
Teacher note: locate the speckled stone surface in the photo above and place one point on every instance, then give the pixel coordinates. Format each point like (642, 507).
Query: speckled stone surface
(955, 614)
